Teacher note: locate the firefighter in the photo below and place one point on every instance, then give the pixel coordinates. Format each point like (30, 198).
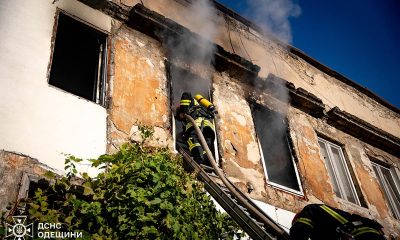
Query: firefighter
(318, 221)
(202, 111)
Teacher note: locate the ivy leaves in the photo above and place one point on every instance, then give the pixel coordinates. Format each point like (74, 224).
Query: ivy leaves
(144, 193)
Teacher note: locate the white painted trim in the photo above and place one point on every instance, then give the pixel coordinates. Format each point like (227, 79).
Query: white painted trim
(86, 14)
(276, 185)
(335, 171)
(386, 188)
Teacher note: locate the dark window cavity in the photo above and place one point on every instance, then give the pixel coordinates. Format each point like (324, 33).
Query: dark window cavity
(185, 81)
(79, 59)
(279, 166)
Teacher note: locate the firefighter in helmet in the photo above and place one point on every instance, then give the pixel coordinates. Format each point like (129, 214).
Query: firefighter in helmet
(202, 111)
(318, 221)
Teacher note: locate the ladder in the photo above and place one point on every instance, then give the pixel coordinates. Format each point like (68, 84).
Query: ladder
(246, 214)
(253, 225)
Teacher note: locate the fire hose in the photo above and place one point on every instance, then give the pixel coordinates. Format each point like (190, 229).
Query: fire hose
(231, 188)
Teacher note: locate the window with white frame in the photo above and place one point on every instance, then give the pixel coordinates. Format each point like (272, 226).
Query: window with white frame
(278, 163)
(389, 180)
(338, 171)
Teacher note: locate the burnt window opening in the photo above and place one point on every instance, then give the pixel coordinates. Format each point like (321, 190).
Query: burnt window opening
(338, 171)
(182, 81)
(276, 154)
(79, 59)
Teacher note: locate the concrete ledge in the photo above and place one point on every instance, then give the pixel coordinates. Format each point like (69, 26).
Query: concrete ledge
(166, 30)
(307, 102)
(161, 28)
(364, 131)
(298, 98)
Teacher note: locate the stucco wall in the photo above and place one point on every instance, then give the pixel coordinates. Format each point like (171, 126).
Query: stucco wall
(37, 119)
(272, 58)
(12, 168)
(241, 158)
(139, 94)
(242, 161)
(42, 121)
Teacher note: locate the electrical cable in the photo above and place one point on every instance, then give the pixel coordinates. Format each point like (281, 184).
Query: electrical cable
(229, 34)
(244, 48)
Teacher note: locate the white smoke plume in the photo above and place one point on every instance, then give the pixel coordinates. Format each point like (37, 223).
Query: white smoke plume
(273, 16)
(200, 18)
(194, 52)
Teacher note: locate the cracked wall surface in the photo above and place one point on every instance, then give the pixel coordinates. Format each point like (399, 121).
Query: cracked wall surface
(241, 158)
(139, 87)
(275, 59)
(139, 94)
(12, 168)
(305, 130)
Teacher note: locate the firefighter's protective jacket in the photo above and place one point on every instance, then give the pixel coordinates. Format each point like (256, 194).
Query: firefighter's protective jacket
(318, 221)
(201, 116)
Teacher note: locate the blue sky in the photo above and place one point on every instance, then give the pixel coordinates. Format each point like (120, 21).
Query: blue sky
(359, 39)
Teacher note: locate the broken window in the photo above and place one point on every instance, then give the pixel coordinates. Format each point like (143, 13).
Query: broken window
(338, 171)
(389, 181)
(184, 81)
(79, 59)
(277, 159)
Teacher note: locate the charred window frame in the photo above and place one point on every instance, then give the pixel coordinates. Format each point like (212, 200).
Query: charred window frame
(181, 81)
(275, 149)
(389, 180)
(338, 171)
(79, 59)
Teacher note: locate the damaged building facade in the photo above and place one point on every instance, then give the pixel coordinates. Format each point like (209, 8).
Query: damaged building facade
(80, 77)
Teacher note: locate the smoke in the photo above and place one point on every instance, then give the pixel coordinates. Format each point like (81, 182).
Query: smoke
(202, 17)
(273, 16)
(194, 52)
(193, 55)
(272, 129)
(198, 51)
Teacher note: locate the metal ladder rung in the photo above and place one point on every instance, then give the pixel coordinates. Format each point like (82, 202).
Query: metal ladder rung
(258, 223)
(207, 168)
(212, 174)
(230, 202)
(224, 188)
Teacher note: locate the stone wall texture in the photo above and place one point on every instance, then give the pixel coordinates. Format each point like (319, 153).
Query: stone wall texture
(140, 86)
(12, 168)
(139, 94)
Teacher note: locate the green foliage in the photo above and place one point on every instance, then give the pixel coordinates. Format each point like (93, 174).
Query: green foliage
(145, 131)
(143, 194)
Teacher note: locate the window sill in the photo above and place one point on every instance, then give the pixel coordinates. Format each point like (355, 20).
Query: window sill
(284, 189)
(76, 96)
